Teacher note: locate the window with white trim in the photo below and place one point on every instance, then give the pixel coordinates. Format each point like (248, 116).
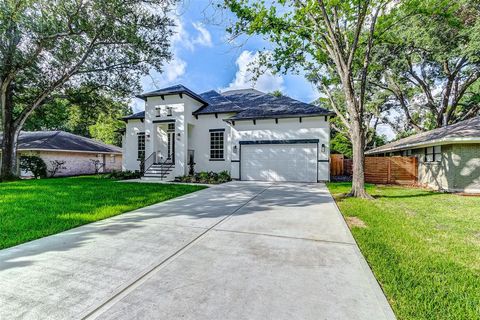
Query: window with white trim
(433, 154)
(158, 111)
(216, 144)
(141, 145)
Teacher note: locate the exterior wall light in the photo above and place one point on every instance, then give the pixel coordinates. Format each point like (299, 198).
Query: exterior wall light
(323, 147)
(235, 149)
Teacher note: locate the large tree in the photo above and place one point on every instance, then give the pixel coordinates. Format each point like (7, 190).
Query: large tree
(332, 42)
(48, 46)
(429, 65)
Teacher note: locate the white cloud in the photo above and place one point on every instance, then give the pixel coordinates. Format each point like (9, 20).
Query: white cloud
(204, 38)
(176, 68)
(171, 73)
(183, 39)
(244, 78)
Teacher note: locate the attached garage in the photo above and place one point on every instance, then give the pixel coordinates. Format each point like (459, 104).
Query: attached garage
(279, 160)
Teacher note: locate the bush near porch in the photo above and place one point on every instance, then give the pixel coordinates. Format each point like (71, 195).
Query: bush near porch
(206, 177)
(32, 209)
(423, 247)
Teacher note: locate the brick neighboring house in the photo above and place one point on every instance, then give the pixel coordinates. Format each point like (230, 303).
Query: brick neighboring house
(449, 157)
(78, 153)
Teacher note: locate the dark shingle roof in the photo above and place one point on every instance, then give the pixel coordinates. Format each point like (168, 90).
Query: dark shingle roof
(177, 89)
(246, 104)
(256, 104)
(461, 131)
(138, 115)
(217, 103)
(60, 140)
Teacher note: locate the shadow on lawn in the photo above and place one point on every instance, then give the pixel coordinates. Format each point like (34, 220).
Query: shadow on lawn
(211, 204)
(415, 195)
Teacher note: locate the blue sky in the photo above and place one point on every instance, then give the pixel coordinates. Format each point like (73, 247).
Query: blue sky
(205, 60)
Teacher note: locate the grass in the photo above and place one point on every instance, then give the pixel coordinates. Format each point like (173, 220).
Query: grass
(423, 247)
(31, 209)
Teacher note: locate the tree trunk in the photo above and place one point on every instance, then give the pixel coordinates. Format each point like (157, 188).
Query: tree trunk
(358, 146)
(8, 169)
(9, 155)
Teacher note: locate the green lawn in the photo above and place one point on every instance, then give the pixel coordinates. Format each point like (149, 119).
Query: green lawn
(424, 248)
(31, 209)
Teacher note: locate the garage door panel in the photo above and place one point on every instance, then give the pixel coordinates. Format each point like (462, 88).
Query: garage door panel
(279, 162)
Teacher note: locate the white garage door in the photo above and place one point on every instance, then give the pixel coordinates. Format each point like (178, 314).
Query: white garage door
(279, 162)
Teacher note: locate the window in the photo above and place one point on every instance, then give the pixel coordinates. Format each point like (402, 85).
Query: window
(216, 144)
(169, 111)
(158, 112)
(171, 127)
(141, 145)
(112, 158)
(433, 154)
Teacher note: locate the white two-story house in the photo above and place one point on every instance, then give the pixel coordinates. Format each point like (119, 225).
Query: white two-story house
(253, 135)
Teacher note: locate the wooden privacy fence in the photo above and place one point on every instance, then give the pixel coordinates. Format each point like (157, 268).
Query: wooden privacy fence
(339, 166)
(381, 170)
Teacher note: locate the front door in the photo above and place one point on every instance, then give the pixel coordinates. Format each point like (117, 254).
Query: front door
(171, 143)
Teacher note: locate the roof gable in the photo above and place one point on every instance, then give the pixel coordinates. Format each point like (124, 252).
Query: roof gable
(177, 89)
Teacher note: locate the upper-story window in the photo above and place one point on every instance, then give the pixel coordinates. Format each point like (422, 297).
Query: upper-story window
(433, 154)
(163, 111)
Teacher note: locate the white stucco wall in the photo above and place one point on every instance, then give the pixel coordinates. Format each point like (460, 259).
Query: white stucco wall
(200, 142)
(129, 146)
(193, 134)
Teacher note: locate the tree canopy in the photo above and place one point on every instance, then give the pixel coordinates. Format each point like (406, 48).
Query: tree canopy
(429, 65)
(49, 46)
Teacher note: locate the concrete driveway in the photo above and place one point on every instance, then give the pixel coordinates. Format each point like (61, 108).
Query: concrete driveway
(236, 251)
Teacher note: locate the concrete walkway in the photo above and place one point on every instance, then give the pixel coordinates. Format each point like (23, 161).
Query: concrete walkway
(235, 251)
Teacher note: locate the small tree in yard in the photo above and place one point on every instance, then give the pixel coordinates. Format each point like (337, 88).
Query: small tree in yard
(332, 42)
(55, 167)
(49, 46)
(97, 165)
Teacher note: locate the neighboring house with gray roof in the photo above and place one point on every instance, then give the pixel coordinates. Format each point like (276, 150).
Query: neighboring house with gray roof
(449, 157)
(79, 154)
(251, 134)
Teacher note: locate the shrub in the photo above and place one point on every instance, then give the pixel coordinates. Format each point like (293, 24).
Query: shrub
(224, 176)
(206, 177)
(123, 175)
(35, 165)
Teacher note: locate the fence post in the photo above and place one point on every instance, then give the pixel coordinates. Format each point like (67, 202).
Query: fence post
(389, 166)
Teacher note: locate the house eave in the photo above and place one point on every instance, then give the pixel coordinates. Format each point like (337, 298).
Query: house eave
(436, 142)
(283, 116)
(144, 97)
